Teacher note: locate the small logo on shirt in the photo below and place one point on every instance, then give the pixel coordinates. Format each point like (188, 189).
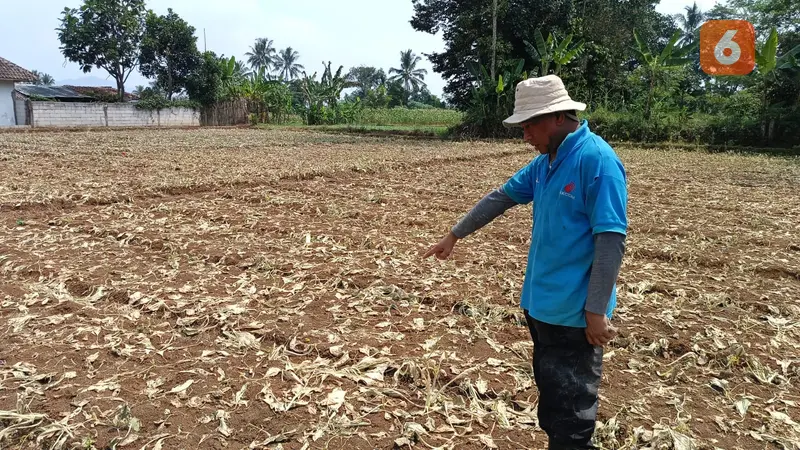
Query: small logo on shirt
(567, 192)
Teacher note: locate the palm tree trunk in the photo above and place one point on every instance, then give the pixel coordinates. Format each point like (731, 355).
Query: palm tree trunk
(494, 38)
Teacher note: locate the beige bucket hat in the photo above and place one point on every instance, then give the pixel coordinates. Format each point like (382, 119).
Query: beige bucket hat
(538, 96)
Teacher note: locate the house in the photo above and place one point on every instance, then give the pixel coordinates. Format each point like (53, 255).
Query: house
(10, 73)
(24, 93)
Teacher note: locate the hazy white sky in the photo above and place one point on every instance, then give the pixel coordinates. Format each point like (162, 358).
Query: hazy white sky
(347, 32)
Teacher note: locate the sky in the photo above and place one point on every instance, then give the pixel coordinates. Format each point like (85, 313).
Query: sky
(347, 32)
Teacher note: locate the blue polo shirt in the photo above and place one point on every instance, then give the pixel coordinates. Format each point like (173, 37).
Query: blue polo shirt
(583, 193)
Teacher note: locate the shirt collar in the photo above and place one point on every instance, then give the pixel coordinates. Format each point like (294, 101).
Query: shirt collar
(573, 141)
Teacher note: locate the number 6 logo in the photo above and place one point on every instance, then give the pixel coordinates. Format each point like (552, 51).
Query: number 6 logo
(727, 47)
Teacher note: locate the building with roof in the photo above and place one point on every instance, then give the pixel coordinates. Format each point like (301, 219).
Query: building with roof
(10, 74)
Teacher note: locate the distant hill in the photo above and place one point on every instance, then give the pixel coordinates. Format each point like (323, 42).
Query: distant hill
(89, 81)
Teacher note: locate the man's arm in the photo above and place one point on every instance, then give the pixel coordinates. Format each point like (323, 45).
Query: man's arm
(608, 253)
(486, 210)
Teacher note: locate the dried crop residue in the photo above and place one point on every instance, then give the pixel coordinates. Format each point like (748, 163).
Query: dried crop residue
(270, 294)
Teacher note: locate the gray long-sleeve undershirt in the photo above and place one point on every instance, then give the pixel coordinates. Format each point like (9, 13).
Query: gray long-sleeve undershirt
(609, 247)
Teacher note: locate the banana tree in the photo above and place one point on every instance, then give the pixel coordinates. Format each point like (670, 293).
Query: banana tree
(769, 65)
(323, 96)
(653, 63)
(493, 98)
(233, 78)
(550, 51)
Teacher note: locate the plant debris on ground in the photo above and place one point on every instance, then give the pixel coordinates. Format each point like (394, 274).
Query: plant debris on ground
(256, 289)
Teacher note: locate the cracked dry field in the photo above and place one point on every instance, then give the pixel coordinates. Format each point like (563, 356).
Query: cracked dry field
(263, 289)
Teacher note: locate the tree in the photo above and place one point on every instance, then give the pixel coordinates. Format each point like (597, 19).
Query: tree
(408, 73)
(467, 29)
(43, 79)
(784, 15)
(105, 34)
(169, 51)
(653, 63)
(261, 55)
(233, 76)
(286, 64)
(321, 98)
(550, 51)
(690, 23)
(599, 75)
(366, 79)
(205, 83)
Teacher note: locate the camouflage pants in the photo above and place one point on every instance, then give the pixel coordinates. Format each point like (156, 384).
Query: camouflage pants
(567, 370)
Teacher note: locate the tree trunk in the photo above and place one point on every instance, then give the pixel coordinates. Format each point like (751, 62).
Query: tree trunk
(650, 95)
(120, 88)
(494, 38)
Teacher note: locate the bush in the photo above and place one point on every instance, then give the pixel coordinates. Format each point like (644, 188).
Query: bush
(157, 102)
(721, 128)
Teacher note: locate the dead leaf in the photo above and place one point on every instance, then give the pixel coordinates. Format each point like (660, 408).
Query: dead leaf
(181, 387)
(487, 441)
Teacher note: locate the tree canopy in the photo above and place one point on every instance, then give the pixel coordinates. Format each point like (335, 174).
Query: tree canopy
(169, 51)
(105, 34)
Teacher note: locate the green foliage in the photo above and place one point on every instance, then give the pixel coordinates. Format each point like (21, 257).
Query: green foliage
(321, 98)
(100, 95)
(204, 85)
(262, 55)
(169, 51)
(43, 79)
(154, 101)
(269, 100)
(105, 34)
(492, 101)
(286, 64)
(405, 116)
(654, 63)
(234, 77)
(39, 98)
(550, 51)
(466, 26)
(411, 77)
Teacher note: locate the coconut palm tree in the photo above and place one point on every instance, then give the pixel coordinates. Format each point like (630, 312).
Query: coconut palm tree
(690, 23)
(408, 72)
(43, 79)
(286, 64)
(261, 55)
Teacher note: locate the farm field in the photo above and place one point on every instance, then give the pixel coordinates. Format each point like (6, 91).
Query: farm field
(264, 289)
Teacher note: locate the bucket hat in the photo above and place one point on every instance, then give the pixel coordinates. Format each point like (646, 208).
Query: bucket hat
(540, 95)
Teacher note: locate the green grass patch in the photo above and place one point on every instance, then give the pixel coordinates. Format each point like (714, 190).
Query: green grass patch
(384, 130)
(434, 117)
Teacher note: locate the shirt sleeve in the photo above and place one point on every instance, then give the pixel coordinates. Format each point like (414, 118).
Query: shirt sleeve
(607, 196)
(609, 249)
(520, 187)
(489, 208)
(606, 205)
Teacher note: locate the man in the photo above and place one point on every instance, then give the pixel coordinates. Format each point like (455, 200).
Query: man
(579, 194)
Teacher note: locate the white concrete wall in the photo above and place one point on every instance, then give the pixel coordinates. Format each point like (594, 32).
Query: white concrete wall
(19, 108)
(7, 117)
(56, 114)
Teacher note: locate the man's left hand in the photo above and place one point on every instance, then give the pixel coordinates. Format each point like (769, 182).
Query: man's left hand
(599, 331)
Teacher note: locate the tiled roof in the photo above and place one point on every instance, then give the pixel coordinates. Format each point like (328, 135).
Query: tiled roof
(12, 72)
